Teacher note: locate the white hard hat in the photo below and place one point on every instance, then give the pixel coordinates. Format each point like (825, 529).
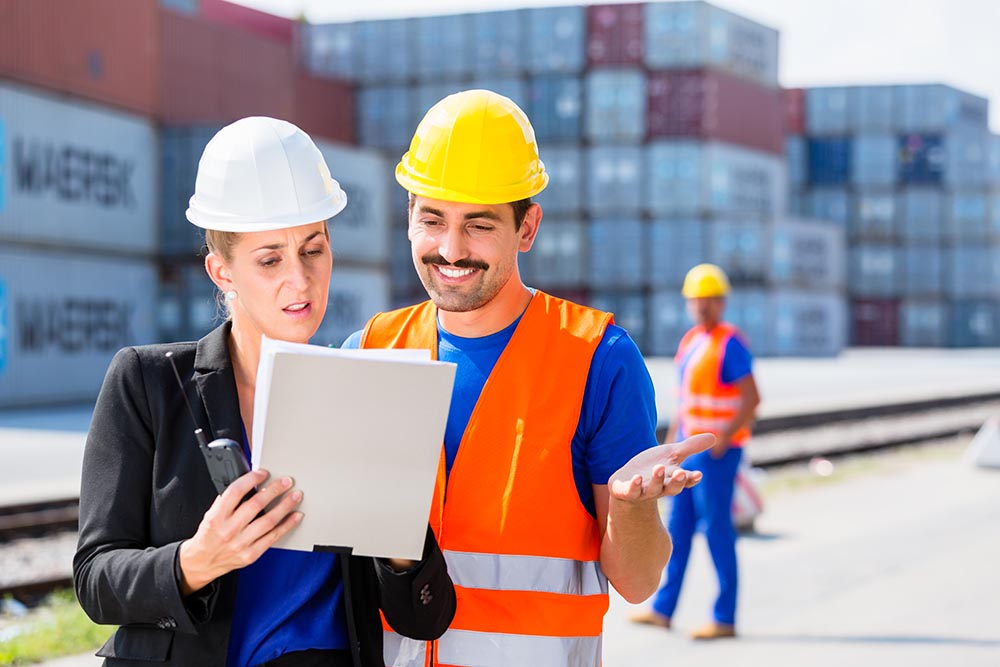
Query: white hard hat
(259, 174)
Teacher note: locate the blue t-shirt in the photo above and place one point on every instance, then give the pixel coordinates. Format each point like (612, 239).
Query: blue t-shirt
(617, 419)
(287, 601)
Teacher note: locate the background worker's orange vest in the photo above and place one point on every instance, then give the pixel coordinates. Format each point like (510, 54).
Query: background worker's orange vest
(520, 546)
(705, 404)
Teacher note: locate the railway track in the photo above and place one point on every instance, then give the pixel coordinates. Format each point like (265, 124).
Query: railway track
(33, 539)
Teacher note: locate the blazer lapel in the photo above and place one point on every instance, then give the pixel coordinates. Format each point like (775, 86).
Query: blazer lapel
(213, 372)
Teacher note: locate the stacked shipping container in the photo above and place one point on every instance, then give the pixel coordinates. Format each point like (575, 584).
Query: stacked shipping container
(100, 136)
(661, 127)
(906, 170)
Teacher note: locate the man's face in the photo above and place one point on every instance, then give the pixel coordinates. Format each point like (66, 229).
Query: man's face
(706, 311)
(465, 253)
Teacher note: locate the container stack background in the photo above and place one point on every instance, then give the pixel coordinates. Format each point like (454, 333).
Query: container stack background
(661, 127)
(910, 172)
(100, 136)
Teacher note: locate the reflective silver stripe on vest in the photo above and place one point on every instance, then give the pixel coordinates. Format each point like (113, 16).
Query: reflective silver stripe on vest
(399, 651)
(485, 649)
(501, 572)
(709, 401)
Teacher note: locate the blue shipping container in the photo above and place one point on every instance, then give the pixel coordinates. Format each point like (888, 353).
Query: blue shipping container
(872, 109)
(556, 39)
(386, 117)
(496, 43)
(922, 271)
(676, 246)
(873, 271)
(795, 158)
(386, 50)
(618, 253)
(668, 322)
(740, 248)
(615, 106)
(614, 179)
(922, 158)
(829, 161)
(873, 160)
(968, 219)
(830, 203)
(973, 272)
(749, 310)
(828, 110)
(442, 46)
(806, 253)
(921, 215)
(564, 194)
(558, 256)
(873, 215)
(555, 107)
(923, 323)
(329, 49)
(975, 324)
(935, 108)
(967, 158)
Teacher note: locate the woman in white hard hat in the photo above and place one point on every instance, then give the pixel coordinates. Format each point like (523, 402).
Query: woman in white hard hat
(186, 573)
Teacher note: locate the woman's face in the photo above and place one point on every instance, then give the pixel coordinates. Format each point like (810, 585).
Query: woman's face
(281, 279)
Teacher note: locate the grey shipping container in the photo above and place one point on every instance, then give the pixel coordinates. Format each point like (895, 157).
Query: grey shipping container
(63, 316)
(496, 43)
(386, 50)
(696, 34)
(922, 273)
(329, 49)
(555, 107)
(189, 305)
(874, 270)
(615, 106)
(808, 323)
(806, 254)
(359, 233)
(921, 214)
(749, 310)
(558, 256)
(828, 203)
(873, 215)
(386, 118)
(356, 294)
(180, 152)
(614, 179)
(974, 324)
(668, 321)
(564, 193)
(967, 217)
(923, 323)
(629, 309)
(828, 110)
(973, 271)
(874, 160)
(442, 46)
(967, 158)
(935, 107)
(617, 254)
(740, 248)
(685, 178)
(795, 159)
(675, 247)
(555, 39)
(872, 109)
(75, 174)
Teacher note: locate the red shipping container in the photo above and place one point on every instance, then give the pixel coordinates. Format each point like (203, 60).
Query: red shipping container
(615, 34)
(324, 108)
(260, 23)
(795, 110)
(104, 50)
(213, 73)
(875, 322)
(708, 104)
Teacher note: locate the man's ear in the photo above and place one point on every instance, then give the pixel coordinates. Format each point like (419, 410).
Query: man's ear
(529, 227)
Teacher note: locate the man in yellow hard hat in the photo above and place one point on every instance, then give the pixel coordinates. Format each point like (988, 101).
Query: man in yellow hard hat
(551, 470)
(717, 395)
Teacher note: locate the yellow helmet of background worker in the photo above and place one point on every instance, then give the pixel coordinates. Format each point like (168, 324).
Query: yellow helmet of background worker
(476, 147)
(705, 281)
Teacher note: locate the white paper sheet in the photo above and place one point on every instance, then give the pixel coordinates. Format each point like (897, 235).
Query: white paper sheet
(360, 431)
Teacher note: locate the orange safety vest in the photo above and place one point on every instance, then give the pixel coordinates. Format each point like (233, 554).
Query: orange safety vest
(522, 550)
(706, 404)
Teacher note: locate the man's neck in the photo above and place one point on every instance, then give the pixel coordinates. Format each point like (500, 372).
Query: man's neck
(495, 316)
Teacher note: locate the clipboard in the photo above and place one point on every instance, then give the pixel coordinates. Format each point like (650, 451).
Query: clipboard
(360, 432)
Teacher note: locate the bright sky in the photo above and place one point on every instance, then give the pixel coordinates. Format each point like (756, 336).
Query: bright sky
(823, 42)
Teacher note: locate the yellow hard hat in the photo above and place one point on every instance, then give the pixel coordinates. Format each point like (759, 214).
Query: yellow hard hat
(704, 281)
(476, 147)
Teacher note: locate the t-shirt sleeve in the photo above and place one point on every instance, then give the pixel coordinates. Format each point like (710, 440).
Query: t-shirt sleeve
(618, 419)
(737, 362)
(353, 341)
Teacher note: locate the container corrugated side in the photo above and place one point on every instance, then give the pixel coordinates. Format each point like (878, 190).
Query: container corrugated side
(555, 39)
(923, 323)
(615, 106)
(65, 316)
(557, 258)
(617, 253)
(75, 174)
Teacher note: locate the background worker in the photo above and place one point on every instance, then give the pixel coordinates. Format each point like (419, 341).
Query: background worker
(188, 574)
(717, 394)
(550, 461)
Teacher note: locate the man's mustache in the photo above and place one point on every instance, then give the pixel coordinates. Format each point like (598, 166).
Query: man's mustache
(435, 258)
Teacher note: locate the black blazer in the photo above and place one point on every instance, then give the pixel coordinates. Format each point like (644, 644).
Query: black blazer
(145, 489)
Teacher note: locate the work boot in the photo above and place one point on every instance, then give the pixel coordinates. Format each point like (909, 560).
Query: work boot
(650, 617)
(714, 630)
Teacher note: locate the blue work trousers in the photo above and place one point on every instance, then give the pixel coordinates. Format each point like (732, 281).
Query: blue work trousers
(706, 506)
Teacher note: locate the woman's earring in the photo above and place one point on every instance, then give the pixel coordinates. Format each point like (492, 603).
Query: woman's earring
(230, 295)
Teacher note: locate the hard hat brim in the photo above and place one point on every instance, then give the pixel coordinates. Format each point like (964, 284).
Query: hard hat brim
(319, 212)
(421, 187)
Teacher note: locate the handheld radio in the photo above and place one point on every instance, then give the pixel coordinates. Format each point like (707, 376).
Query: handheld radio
(224, 457)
